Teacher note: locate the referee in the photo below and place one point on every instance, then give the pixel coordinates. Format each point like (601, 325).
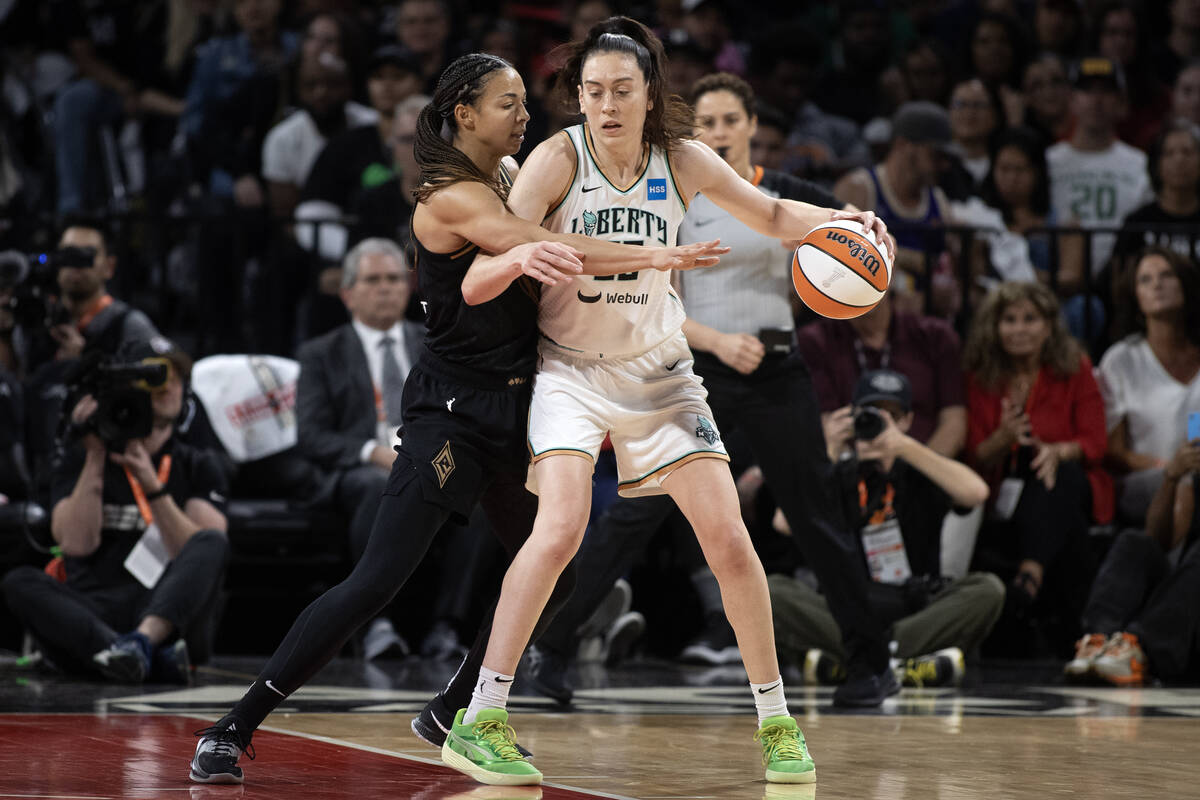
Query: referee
(741, 329)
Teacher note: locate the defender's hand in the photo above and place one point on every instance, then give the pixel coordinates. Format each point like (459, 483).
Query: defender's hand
(687, 256)
(548, 262)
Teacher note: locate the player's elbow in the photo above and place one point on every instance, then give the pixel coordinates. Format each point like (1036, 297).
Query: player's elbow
(476, 293)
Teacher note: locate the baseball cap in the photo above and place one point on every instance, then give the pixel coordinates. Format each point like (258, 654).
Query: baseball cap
(1098, 69)
(397, 56)
(922, 122)
(883, 385)
(156, 347)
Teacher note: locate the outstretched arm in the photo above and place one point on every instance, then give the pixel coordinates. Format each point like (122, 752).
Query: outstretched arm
(542, 184)
(474, 212)
(700, 170)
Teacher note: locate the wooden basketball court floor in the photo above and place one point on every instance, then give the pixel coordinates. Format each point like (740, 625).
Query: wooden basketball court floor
(650, 731)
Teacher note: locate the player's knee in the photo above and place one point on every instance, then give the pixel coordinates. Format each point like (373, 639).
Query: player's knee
(559, 551)
(728, 549)
(558, 531)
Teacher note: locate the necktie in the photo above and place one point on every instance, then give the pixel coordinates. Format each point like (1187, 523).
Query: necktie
(393, 382)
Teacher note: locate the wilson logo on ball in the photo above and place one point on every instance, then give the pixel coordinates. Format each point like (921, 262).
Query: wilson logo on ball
(839, 271)
(859, 249)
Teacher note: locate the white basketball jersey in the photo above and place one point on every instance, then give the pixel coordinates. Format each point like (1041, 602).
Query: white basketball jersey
(615, 315)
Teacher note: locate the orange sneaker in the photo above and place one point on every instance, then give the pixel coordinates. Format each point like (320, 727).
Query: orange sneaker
(1087, 650)
(1123, 662)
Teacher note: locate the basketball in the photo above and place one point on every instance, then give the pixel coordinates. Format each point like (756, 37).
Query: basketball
(839, 271)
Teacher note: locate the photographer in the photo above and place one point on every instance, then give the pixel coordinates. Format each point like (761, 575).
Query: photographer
(896, 493)
(85, 319)
(93, 319)
(140, 528)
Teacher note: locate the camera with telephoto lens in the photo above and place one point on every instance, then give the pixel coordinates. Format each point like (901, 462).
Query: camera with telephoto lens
(122, 392)
(33, 280)
(868, 423)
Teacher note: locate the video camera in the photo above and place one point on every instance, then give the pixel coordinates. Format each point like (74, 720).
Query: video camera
(122, 394)
(33, 280)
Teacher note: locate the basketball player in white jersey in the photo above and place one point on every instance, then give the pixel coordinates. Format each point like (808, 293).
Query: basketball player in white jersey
(615, 362)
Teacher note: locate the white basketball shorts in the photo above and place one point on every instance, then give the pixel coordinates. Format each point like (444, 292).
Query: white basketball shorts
(653, 406)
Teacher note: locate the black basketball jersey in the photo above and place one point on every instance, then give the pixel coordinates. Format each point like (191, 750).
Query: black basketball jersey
(498, 337)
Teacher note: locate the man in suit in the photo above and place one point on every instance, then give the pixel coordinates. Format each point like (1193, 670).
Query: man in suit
(348, 397)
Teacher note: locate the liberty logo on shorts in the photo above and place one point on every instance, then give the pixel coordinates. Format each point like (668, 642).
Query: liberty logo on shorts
(443, 464)
(706, 431)
(656, 189)
(589, 223)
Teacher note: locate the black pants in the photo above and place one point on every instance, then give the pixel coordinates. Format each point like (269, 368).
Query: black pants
(71, 625)
(449, 462)
(1137, 591)
(1049, 522)
(1049, 526)
(775, 411)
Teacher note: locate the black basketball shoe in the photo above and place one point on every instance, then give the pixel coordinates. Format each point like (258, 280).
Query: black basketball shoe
(218, 751)
(547, 674)
(865, 689)
(434, 721)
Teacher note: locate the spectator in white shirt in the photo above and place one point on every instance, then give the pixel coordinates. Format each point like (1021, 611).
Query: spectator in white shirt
(1150, 379)
(1096, 179)
(323, 91)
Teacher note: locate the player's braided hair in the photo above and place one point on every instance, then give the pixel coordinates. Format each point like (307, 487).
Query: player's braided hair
(669, 120)
(442, 164)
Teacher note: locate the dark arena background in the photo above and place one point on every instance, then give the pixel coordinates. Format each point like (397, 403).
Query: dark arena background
(210, 301)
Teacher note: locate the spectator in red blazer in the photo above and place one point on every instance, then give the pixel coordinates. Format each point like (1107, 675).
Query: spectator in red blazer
(1036, 431)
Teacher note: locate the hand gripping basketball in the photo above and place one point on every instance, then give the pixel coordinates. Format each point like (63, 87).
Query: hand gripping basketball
(841, 271)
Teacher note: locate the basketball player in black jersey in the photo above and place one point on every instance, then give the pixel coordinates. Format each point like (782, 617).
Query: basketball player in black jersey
(466, 400)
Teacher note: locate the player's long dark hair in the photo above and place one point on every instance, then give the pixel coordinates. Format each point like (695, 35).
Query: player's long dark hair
(669, 120)
(442, 164)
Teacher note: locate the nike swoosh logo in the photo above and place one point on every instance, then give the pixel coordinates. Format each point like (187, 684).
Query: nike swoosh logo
(468, 745)
(271, 686)
(769, 688)
(501, 680)
(700, 223)
(672, 366)
(585, 299)
(587, 189)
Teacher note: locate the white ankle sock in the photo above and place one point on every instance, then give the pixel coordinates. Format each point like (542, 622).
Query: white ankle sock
(490, 692)
(769, 699)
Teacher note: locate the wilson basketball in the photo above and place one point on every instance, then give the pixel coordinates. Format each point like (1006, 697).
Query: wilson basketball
(839, 271)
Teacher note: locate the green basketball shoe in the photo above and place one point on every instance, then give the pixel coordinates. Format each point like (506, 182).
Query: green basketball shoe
(784, 752)
(487, 750)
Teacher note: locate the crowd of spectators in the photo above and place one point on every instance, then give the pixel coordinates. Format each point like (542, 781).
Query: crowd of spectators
(240, 174)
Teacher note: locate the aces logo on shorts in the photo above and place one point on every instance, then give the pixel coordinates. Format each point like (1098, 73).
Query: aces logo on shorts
(656, 189)
(443, 464)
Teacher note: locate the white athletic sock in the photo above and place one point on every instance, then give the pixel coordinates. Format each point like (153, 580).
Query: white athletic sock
(769, 699)
(490, 692)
